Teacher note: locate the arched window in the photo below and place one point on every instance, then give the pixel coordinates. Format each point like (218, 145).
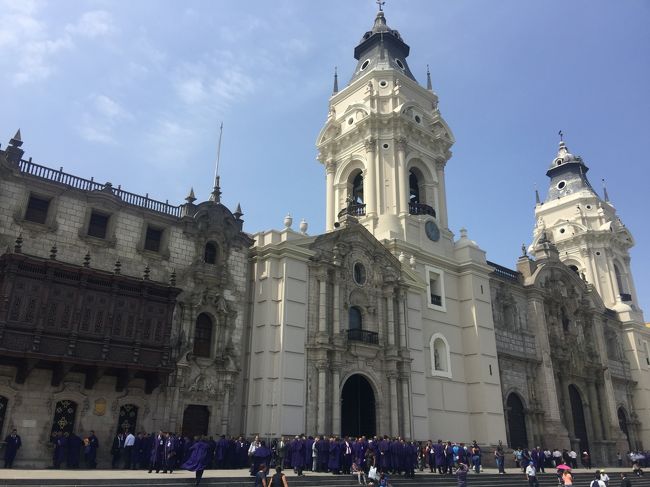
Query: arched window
(622, 423)
(128, 418)
(414, 188)
(357, 189)
(203, 336)
(440, 356)
(210, 253)
(518, 437)
(65, 413)
(355, 319)
(621, 282)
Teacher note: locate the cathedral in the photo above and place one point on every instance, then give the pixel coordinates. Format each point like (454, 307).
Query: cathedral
(120, 311)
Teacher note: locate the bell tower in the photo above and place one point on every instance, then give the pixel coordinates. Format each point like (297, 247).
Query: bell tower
(589, 236)
(385, 146)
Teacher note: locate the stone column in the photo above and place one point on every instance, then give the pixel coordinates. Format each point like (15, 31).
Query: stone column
(337, 312)
(330, 169)
(225, 410)
(370, 180)
(406, 408)
(394, 423)
(322, 305)
(391, 317)
(595, 410)
(321, 366)
(401, 317)
(441, 211)
(336, 400)
(566, 402)
(402, 177)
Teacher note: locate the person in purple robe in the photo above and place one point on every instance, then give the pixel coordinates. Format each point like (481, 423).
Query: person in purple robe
(334, 462)
(382, 458)
(394, 450)
(220, 452)
(346, 450)
(170, 450)
(74, 450)
(12, 445)
(90, 450)
(439, 450)
(60, 447)
(323, 453)
(157, 458)
(262, 456)
(297, 449)
(198, 459)
(309, 443)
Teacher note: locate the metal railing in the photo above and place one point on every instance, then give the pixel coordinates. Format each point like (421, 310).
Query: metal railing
(421, 209)
(353, 210)
(36, 170)
(504, 272)
(626, 298)
(436, 300)
(363, 336)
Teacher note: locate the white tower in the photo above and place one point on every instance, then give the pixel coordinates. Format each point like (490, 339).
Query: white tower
(589, 235)
(385, 145)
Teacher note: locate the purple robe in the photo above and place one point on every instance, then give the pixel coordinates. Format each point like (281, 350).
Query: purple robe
(297, 453)
(198, 457)
(334, 462)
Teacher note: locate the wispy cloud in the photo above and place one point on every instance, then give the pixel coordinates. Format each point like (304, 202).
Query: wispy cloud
(99, 122)
(92, 24)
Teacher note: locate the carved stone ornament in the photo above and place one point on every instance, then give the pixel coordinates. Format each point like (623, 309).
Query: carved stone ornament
(100, 407)
(204, 384)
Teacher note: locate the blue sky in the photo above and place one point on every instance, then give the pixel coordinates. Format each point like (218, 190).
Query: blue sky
(134, 93)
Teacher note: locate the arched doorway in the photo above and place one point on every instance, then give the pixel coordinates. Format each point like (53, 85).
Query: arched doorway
(358, 414)
(516, 422)
(196, 420)
(622, 422)
(578, 413)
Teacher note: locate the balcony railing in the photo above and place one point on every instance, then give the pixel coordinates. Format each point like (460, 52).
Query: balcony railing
(356, 209)
(504, 272)
(421, 209)
(626, 298)
(436, 300)
(363, 336)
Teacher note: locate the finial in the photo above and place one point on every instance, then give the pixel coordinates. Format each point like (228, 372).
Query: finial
(190, 198)
(17, 140)
(537, 200)
(336, 81)
(172, 278)
(561, 134)
(303, 226)
(87, 260)
(53, 252)
(288, 220)
(429, 85)
(147, 272)
(523, 250)
(381, 4)
(238, 213)
(605, 191)
(14, 153)
(19, 243)
(118, 267)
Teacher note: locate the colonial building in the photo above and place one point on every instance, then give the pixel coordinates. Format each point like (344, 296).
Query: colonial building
(117, 310)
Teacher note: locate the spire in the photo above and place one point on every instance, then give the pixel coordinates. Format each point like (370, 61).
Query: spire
(336, 82)
(190, 198)
(568, 174)
(429, 86)
(17, 140)
(216, 191)
(537, 200)
(14, 153)
(605, 191)
(238, 213)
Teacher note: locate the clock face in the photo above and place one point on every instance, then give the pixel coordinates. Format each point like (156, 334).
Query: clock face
(432, 231)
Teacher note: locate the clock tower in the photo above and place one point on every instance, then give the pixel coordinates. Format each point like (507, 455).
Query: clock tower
(385, 146)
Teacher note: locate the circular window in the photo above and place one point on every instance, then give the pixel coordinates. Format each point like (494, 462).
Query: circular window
(365, 64)
(399, 63)
(562, 230)
(383, 83)
(597, 253)
(418, 119)
(350, 121)
(558, 161)
(359, 273)
(561, 185)
(385, 146)
(589, 207)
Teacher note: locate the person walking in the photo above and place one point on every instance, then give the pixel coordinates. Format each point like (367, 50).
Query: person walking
(597, 482)
(500, 458)
(625, 482)
(461, 475)
(129, 442)
(260, 476)
(531, 475)
(279, 479)
(198, 459)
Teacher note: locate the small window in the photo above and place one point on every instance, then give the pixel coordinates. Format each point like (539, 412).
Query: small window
(647, 352)
(37, 209)
(98, 225)
(203, 336)
(365, 64)
(436, 289)
(399, 63)
(561, 185)
(152, 239)
(210, 253)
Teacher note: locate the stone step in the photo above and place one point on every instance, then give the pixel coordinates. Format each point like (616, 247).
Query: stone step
(421, 480)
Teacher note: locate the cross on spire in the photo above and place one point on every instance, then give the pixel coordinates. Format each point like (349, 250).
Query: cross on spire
(561, 134)
(381, 4)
